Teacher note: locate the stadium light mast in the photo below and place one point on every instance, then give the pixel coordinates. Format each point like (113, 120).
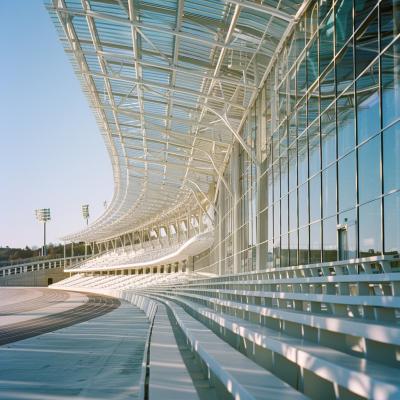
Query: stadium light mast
(85, 213)
(43, 215)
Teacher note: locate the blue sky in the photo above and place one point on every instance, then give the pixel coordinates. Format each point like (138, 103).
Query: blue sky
(51, 151)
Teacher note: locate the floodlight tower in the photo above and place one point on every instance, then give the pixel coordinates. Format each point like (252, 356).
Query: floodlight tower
(43, 215)
(85, 213)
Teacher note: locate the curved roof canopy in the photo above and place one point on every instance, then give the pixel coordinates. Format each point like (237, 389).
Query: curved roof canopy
(170, 82)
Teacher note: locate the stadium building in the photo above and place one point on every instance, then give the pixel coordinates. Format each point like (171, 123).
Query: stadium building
(255, 150)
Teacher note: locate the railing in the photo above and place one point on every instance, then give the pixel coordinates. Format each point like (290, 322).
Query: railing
(38, 265)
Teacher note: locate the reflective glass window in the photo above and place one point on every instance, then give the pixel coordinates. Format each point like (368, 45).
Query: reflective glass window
(312, 62)
(368, 118)
(367, 45)
(345, 122)
(277, 252)
(343, 22)
(369, 161)
(277, 220)
(315, 242)
(292, 129)
(329, 235)
(301, 118)
(344, 68)
(293, 242)
(370, 229)
(315, 198)
(390, 21)
(313, 105)
(361, 10)
(302, 159)
(391, 158)
(293, 210)
(284, 214)
(329, 191)
(284, 176)
(292, 166)
(328, 136)
(303, 204)
(284, 251)
(326, 42)
(277, 181)
(324, 8)
(327, 89)
(347, 182)
(391, 83)
(314, 148)
(301, 78)
(303, 246)
(349, 244)
(392, 223)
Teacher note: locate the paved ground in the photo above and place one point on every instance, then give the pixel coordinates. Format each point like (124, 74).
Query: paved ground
(96, 359)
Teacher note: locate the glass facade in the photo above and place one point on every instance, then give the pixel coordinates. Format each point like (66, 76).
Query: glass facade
(324, 182)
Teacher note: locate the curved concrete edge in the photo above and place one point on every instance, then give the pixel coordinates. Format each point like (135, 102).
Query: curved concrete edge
(195, 245)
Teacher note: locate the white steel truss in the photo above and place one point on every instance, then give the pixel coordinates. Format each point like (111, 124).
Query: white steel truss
(170, 82)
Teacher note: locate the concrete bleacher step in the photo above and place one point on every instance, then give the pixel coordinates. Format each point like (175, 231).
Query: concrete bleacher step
(388, 334)
(233, 374)
(169, 378)
(314, 368)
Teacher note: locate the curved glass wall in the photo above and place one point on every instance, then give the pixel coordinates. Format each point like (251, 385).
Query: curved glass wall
(326, 132)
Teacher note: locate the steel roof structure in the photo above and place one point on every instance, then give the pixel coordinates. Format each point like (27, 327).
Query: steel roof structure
(170, 82)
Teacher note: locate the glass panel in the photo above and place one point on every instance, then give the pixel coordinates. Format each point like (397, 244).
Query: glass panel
(303, 246)
(284, 251)
(315, 242)
(292, 167)
(327, 89)
(343, 22)
(344, 68)
(313, 105)
(312, 62)
(367, 45)
(392, 223)
(314, 148)
(284, 214)
(346, 122)
(329, 191)
(293, 210)
(349, 219)
(390, 21)
(391, 83)
(369, 170)
(277, 181)
(328, 136)
(284, 175)
(292, 129)
(326, 42)
(277, 219)
(302, 159)
(324, 8)
(361, 10)
(391, 158)
(293, 248)
(347, 182)
(277, 252)
(301, 118)
(303, 204)
(329, 251)
(370, 229)
(301, 78)
(315, 201)
(368, 119)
